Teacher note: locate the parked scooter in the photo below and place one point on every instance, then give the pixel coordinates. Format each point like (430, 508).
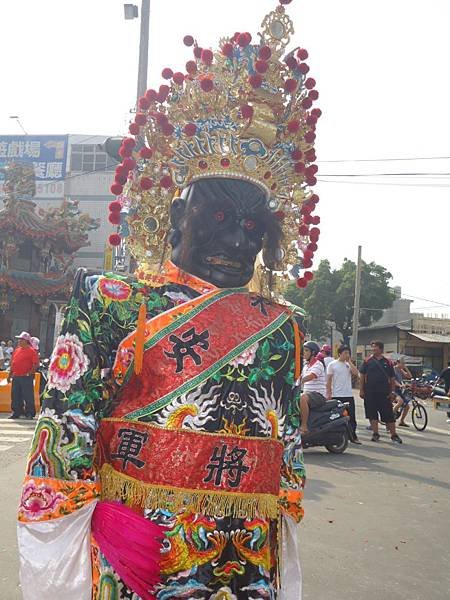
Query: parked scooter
(437, 390)
(329, 426)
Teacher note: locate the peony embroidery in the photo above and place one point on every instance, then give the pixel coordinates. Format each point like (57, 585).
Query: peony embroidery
(67, 364)
(39, 500)
(114, 289)
(247, 357)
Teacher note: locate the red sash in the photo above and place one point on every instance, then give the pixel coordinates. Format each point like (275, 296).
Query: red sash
(210, 473)
(188, 344)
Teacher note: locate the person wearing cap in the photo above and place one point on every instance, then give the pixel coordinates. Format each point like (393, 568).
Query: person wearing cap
(24, 362)
(326, 351)
(34, 342)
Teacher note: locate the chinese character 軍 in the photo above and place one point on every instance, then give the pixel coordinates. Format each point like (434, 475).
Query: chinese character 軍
(39, 169)
(221, 462)
(54, 170)
(130, 446)
(32, 149)
(184, 346)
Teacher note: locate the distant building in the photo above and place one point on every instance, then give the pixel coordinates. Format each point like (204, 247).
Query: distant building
(37, 248)
(74, 167)
(424, 340)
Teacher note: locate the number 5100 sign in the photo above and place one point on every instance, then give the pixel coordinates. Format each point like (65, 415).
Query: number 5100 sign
(50, 189)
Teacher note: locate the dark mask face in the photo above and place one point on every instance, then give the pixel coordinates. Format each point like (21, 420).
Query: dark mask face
(219, 226)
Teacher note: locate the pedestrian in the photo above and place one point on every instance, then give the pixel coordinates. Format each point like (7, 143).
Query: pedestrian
(445, 377)
(2, 355)
(313, 381)
(34, 342)
(377, 382)
(326, 351)
(24, 363)
(9, 349)
(339, 384)
(401, 373)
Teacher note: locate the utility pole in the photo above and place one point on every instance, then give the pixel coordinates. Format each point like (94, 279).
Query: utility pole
(356, 305)
(143, 49)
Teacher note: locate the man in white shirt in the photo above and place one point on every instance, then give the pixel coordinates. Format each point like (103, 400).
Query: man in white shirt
(339, 383)
(313, 382)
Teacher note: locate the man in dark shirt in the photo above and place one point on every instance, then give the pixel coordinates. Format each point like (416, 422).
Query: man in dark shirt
(377, 383)
(445, 377)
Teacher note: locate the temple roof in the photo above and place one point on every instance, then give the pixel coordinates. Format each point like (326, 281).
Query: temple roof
(21, 216)
(35, 284)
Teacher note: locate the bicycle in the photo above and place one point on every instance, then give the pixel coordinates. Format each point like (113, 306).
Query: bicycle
(419, 415)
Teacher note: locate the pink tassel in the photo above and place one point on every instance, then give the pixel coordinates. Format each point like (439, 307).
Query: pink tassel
(131, 544)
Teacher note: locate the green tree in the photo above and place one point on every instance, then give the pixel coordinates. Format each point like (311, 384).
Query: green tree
(330, 297)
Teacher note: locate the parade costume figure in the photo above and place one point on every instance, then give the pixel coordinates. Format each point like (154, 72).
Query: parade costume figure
(167, 459)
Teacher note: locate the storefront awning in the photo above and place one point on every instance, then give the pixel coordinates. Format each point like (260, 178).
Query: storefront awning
(435, 338)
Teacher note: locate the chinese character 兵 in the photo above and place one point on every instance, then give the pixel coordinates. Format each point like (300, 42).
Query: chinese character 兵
(130, 446)
(184, 346)
(54, 170)
(259, 302)
(232, 462)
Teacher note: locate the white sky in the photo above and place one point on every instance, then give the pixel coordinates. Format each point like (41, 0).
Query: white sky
(382, 72)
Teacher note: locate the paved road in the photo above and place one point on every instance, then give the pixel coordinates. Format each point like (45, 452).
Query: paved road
(13, 432)
(377, 520)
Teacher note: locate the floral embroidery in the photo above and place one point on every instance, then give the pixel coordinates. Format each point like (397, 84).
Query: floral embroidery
(46, 499)
(68, 363)
(38, 500)
(114, 289)
(247, 357)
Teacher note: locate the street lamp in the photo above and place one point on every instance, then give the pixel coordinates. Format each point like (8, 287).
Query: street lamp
(131, 11)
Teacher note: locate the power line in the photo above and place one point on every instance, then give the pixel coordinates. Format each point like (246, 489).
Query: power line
(426, 299)
(346, 160)
(412, 174)
(420, 185)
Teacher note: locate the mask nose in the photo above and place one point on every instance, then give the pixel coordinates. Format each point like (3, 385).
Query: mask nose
(236, 239)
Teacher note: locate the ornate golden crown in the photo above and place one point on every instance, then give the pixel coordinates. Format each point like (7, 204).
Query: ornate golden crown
(241, 112)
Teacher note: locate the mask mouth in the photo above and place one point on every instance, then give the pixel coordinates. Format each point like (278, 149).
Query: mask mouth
(223, 261)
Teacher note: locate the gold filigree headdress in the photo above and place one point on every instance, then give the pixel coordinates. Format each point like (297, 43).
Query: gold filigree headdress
(243, 112)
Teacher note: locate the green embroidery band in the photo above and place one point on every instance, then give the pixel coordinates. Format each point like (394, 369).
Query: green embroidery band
(147, 411)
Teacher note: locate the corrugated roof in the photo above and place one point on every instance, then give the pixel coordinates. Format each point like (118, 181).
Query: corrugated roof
(432, 337)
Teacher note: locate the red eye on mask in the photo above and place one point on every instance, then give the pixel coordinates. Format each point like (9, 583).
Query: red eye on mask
(249, 224)
(219, 216)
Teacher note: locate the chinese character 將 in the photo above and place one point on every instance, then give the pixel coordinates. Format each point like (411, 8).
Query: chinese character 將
(54, 170)
(32, 149)
(15, 149)
(39, 169)
(231, 462)
(130, 446)
(184, 346)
